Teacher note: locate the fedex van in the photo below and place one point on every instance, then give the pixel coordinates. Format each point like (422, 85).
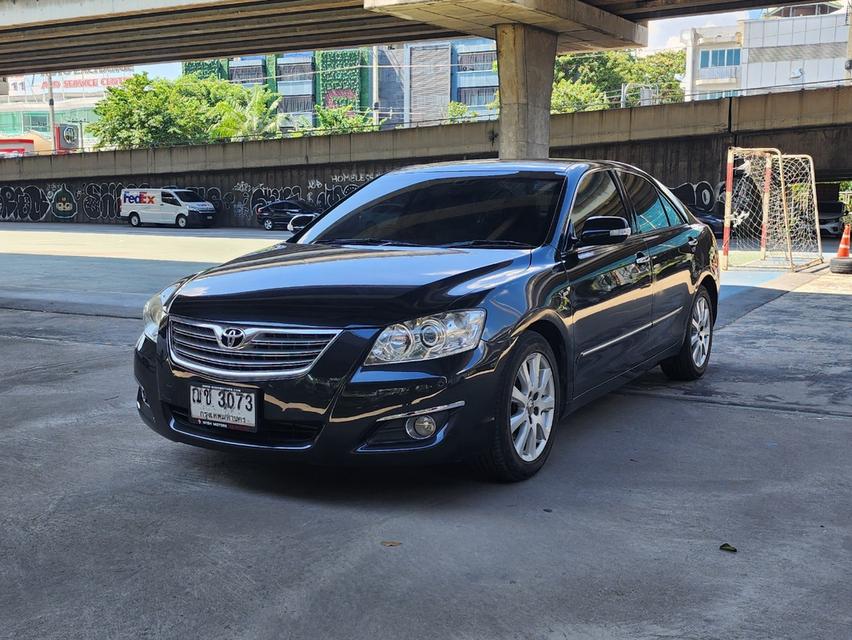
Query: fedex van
(180, 207)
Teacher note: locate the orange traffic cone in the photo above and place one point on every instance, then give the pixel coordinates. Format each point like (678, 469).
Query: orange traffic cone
(843, 250)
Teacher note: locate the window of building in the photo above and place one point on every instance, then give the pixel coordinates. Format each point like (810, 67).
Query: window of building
(296, 104)
(294, 71)
(247, 75)
(477, 96)
(36, 122)
(719, 58)
(477, 61)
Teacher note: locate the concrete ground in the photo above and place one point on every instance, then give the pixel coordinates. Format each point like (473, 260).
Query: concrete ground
(108, 531)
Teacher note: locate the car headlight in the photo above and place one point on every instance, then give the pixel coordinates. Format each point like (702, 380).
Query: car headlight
(154, 310)
(429, 337)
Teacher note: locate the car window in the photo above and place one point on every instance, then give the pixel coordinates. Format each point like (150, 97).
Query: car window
(597, 195)
(439, 208)
(673, 215)
(188, 196)
(168, 198)
(647, 203)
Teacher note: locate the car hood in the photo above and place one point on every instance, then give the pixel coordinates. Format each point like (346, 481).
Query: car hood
(340, 286)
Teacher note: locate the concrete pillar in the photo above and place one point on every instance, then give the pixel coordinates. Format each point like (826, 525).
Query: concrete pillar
(525, 57)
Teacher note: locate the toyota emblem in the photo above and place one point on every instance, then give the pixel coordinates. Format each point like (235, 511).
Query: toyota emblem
(233, 338)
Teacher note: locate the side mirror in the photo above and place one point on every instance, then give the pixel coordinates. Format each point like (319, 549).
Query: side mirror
(602, 230)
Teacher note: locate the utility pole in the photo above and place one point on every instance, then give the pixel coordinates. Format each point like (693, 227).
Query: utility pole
(52, 112)
(375, 83)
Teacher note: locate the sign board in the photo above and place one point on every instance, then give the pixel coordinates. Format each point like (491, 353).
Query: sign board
(87, 82)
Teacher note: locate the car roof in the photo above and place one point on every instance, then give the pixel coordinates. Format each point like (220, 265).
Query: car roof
(556, 165)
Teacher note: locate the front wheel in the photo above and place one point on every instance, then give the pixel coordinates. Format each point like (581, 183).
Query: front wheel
(181, 221)
(691, 361)
(528, 409)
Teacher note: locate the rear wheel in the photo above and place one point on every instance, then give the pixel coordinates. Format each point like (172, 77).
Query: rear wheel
(691, 361)
(181, 221)
(268, 224)
(134, 220)
(528, 409)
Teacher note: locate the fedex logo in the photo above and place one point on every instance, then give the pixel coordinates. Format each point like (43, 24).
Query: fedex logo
(138, 198)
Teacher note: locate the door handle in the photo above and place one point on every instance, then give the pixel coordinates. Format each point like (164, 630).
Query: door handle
(641, 258)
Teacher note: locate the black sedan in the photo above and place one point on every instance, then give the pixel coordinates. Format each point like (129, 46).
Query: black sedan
(279, 213)
(442, 312)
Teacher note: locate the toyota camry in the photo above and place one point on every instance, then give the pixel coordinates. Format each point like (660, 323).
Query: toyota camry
(444, 312)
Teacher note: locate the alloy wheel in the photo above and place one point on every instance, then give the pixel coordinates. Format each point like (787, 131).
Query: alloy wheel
(532, 406)
(700, 332)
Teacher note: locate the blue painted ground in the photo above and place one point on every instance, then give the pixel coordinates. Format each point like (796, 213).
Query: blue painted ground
(734, 282)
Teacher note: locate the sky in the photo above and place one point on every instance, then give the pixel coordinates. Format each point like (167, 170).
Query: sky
(662, 34)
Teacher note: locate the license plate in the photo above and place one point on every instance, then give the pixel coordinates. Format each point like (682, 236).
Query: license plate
(223, 407)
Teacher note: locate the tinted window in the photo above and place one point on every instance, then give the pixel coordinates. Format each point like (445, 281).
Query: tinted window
(672, 214)
(434, 208)
(168, 198)
(188, 196)
(650, 213)
(597, 195)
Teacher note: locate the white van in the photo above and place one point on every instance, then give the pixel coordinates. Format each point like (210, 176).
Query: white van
(180, 207)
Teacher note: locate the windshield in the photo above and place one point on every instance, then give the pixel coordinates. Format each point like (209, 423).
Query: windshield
(188, 196)
(445, 208)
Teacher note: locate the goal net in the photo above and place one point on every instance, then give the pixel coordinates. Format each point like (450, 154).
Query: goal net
(771, 218)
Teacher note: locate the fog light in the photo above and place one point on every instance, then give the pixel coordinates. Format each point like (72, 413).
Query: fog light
(421, 427)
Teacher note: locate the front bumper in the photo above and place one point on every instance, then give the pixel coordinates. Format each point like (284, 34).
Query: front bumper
(338, 412)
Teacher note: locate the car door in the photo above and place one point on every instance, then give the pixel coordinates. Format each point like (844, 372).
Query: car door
(609, 289)
(670, 243)
(170, 207)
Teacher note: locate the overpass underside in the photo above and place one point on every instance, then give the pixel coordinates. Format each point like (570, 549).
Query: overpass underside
(52, 35)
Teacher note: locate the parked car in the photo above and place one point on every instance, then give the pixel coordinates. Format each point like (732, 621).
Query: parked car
(716, 224)
(830, 214)
(442, 312)
(278, 213)
(179, 207)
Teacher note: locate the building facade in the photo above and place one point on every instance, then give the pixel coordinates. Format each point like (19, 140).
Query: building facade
(785, 50)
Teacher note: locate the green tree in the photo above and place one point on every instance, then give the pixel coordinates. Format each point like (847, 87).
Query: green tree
(256, 117)
(569, 96)
(460, 112)
(608, 71)
(145, 112)
(337, 120)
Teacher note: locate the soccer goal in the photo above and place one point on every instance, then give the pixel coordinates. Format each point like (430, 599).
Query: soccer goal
(771, 218)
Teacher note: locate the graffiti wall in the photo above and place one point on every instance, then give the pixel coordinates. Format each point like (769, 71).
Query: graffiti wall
(235, 195)
(691, 167)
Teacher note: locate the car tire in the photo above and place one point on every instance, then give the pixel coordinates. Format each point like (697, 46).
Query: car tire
(502, 461)
(691, 361)
(134, 220)
(268, 224)
(840, 265)
(181, 221)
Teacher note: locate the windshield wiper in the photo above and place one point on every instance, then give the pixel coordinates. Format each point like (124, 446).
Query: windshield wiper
(489, 243)
(368, 241)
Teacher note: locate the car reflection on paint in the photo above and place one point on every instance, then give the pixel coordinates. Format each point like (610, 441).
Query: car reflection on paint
(443, 312)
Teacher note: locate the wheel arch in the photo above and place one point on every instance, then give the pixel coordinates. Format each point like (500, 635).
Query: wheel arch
(709, 283)
(554, 332)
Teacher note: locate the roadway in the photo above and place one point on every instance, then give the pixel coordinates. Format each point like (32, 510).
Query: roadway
(110, 531)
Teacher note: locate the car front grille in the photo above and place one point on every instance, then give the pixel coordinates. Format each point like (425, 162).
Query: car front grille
(237, 351)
